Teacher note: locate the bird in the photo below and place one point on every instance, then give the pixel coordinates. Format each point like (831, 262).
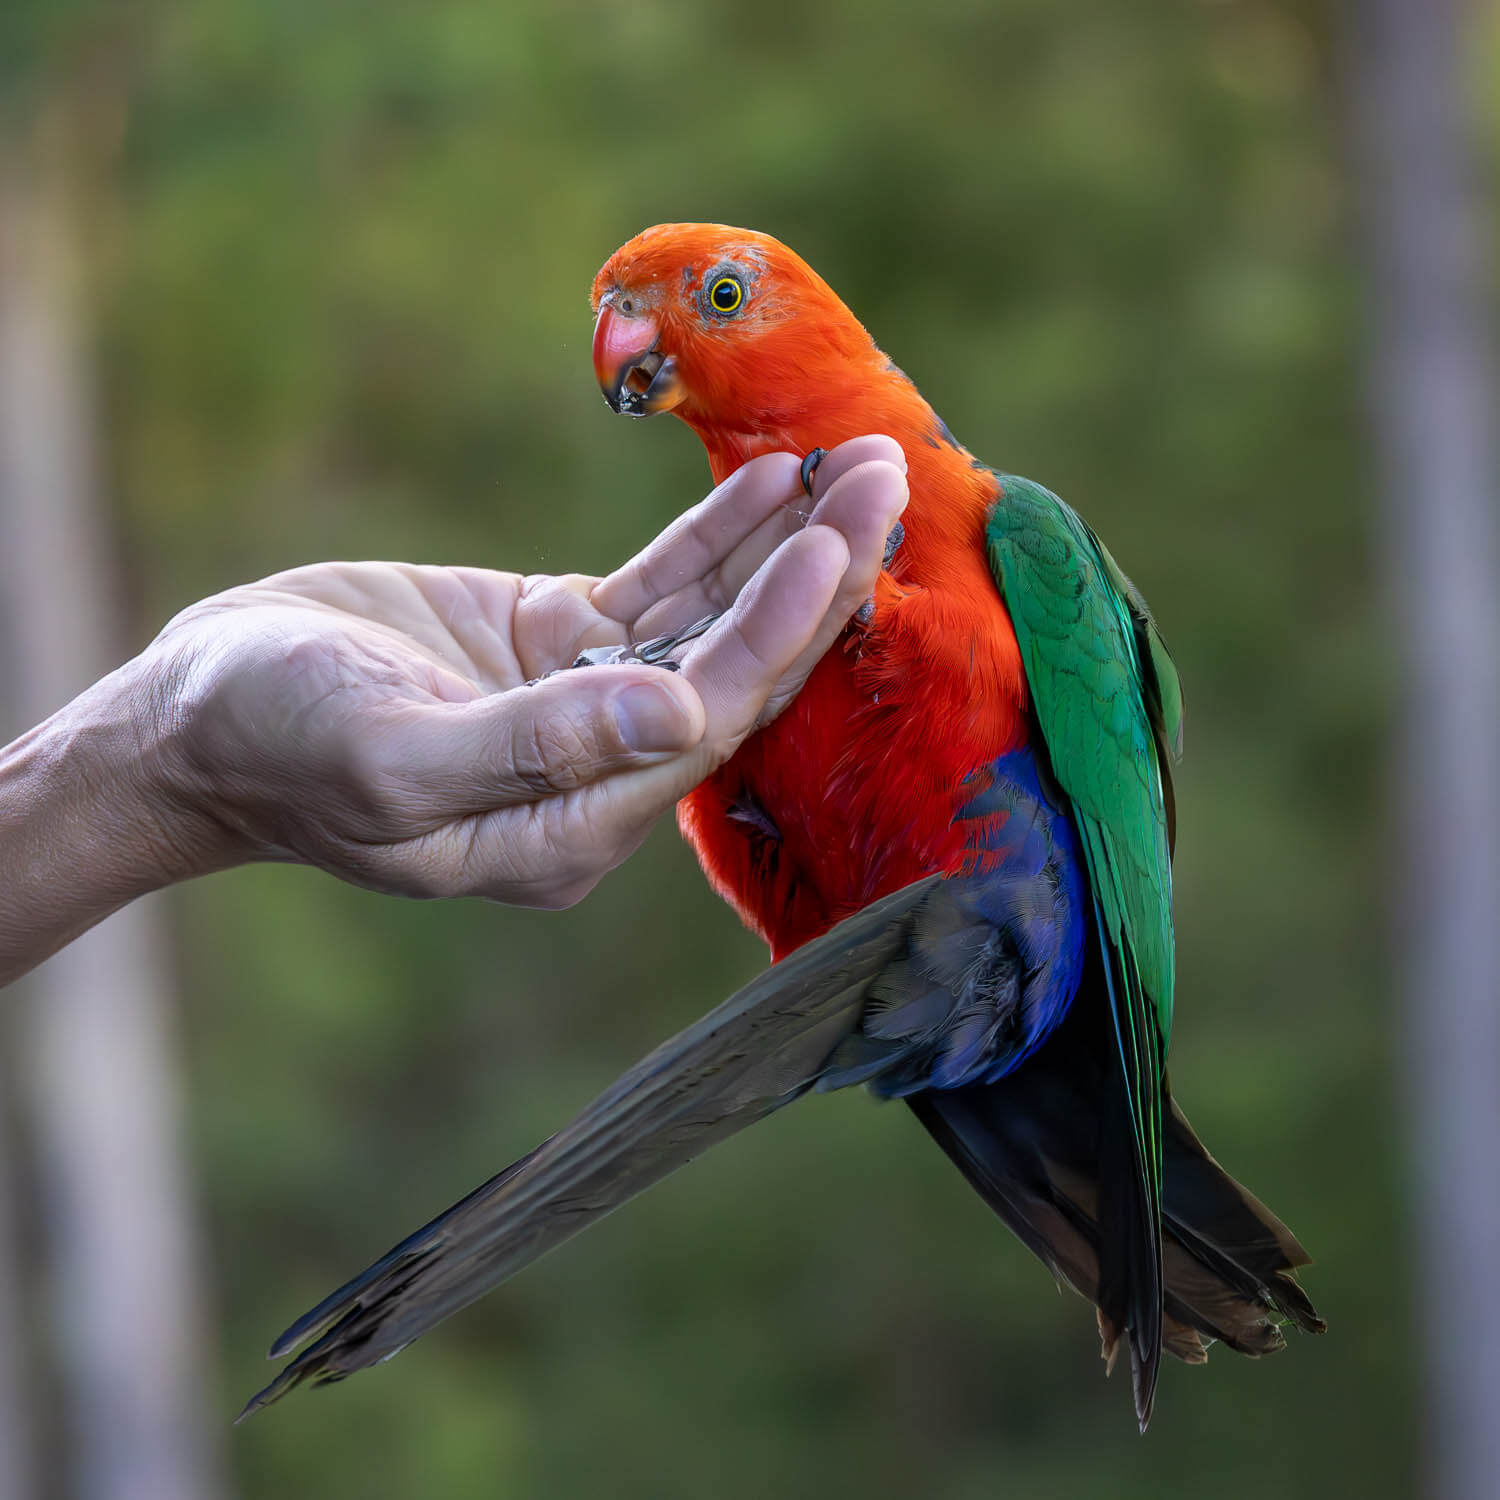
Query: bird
(956, 841)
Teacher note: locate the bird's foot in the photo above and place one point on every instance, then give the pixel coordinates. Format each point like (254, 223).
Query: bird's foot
(894, 538)
(897, 534)
(810, 467)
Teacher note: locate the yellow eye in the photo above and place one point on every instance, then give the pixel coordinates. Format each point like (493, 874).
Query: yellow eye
(726, 294)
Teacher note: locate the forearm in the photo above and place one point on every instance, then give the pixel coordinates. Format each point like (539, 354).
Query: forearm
(87, 819)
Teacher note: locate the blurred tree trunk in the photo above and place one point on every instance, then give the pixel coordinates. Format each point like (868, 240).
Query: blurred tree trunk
(18, 1439)
(17, 1453)
(99, 1065)
(1434, 401)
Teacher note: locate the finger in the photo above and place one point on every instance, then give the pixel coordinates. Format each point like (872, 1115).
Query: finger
(758, 654)
(756, 658)
(742, 660)
(554, 622)
(434, 762)
(697, 542)
(740, 566)
(771, 625)
(716, 589)
(750, 654)
(850, 455)
(861, 506)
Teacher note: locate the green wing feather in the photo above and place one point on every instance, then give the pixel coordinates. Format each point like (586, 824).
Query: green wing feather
(1109, 706)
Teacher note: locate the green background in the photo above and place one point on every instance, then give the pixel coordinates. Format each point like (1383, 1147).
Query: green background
(341, 260)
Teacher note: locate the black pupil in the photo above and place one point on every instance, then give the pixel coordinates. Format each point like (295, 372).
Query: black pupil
(726, 295)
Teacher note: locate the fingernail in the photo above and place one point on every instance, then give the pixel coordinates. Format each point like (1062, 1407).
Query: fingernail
(651, 718)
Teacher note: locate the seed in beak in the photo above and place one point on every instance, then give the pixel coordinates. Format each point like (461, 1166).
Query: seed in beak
(643, 372)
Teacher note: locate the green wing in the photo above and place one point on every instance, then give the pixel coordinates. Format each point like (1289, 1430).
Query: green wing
(1109, 705)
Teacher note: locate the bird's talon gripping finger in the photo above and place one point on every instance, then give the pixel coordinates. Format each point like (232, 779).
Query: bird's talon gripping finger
(893, 540)
(810, 467)
(865, 614)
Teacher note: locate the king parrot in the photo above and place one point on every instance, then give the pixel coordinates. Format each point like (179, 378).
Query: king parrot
(957, 842)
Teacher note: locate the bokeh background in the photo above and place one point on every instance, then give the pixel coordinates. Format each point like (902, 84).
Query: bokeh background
(325, 269)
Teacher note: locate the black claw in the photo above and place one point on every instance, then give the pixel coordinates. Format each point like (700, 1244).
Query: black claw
(810, 467)
(894, 537)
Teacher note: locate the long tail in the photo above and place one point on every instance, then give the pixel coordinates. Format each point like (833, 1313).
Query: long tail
(1042, 1148)
(761, 1049)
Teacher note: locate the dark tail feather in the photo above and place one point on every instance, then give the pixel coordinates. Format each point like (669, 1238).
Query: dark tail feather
(1041, 1173)
(1053, 1148)
(760, 1050)
(1231, 1262)
(1043, 1148)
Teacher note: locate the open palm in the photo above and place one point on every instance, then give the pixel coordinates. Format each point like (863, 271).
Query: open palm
(385, 721)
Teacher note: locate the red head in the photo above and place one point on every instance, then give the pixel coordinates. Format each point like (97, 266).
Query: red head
(751, 348)
(733, 332)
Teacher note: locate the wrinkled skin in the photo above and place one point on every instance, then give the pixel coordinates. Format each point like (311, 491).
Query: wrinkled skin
(378, 719)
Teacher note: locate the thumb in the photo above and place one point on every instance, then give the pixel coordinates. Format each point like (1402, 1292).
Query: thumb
(530, 743)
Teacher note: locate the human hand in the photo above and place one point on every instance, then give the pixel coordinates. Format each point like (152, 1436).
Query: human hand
(375, 719)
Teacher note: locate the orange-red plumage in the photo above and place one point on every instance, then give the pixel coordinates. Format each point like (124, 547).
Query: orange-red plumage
(862, 775)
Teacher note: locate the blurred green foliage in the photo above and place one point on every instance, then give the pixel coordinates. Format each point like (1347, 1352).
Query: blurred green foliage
(343, 252)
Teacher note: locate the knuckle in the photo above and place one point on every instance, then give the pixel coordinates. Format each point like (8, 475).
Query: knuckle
(551, 750)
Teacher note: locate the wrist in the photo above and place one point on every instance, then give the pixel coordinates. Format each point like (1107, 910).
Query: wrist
(140, 729)
(91, 816)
